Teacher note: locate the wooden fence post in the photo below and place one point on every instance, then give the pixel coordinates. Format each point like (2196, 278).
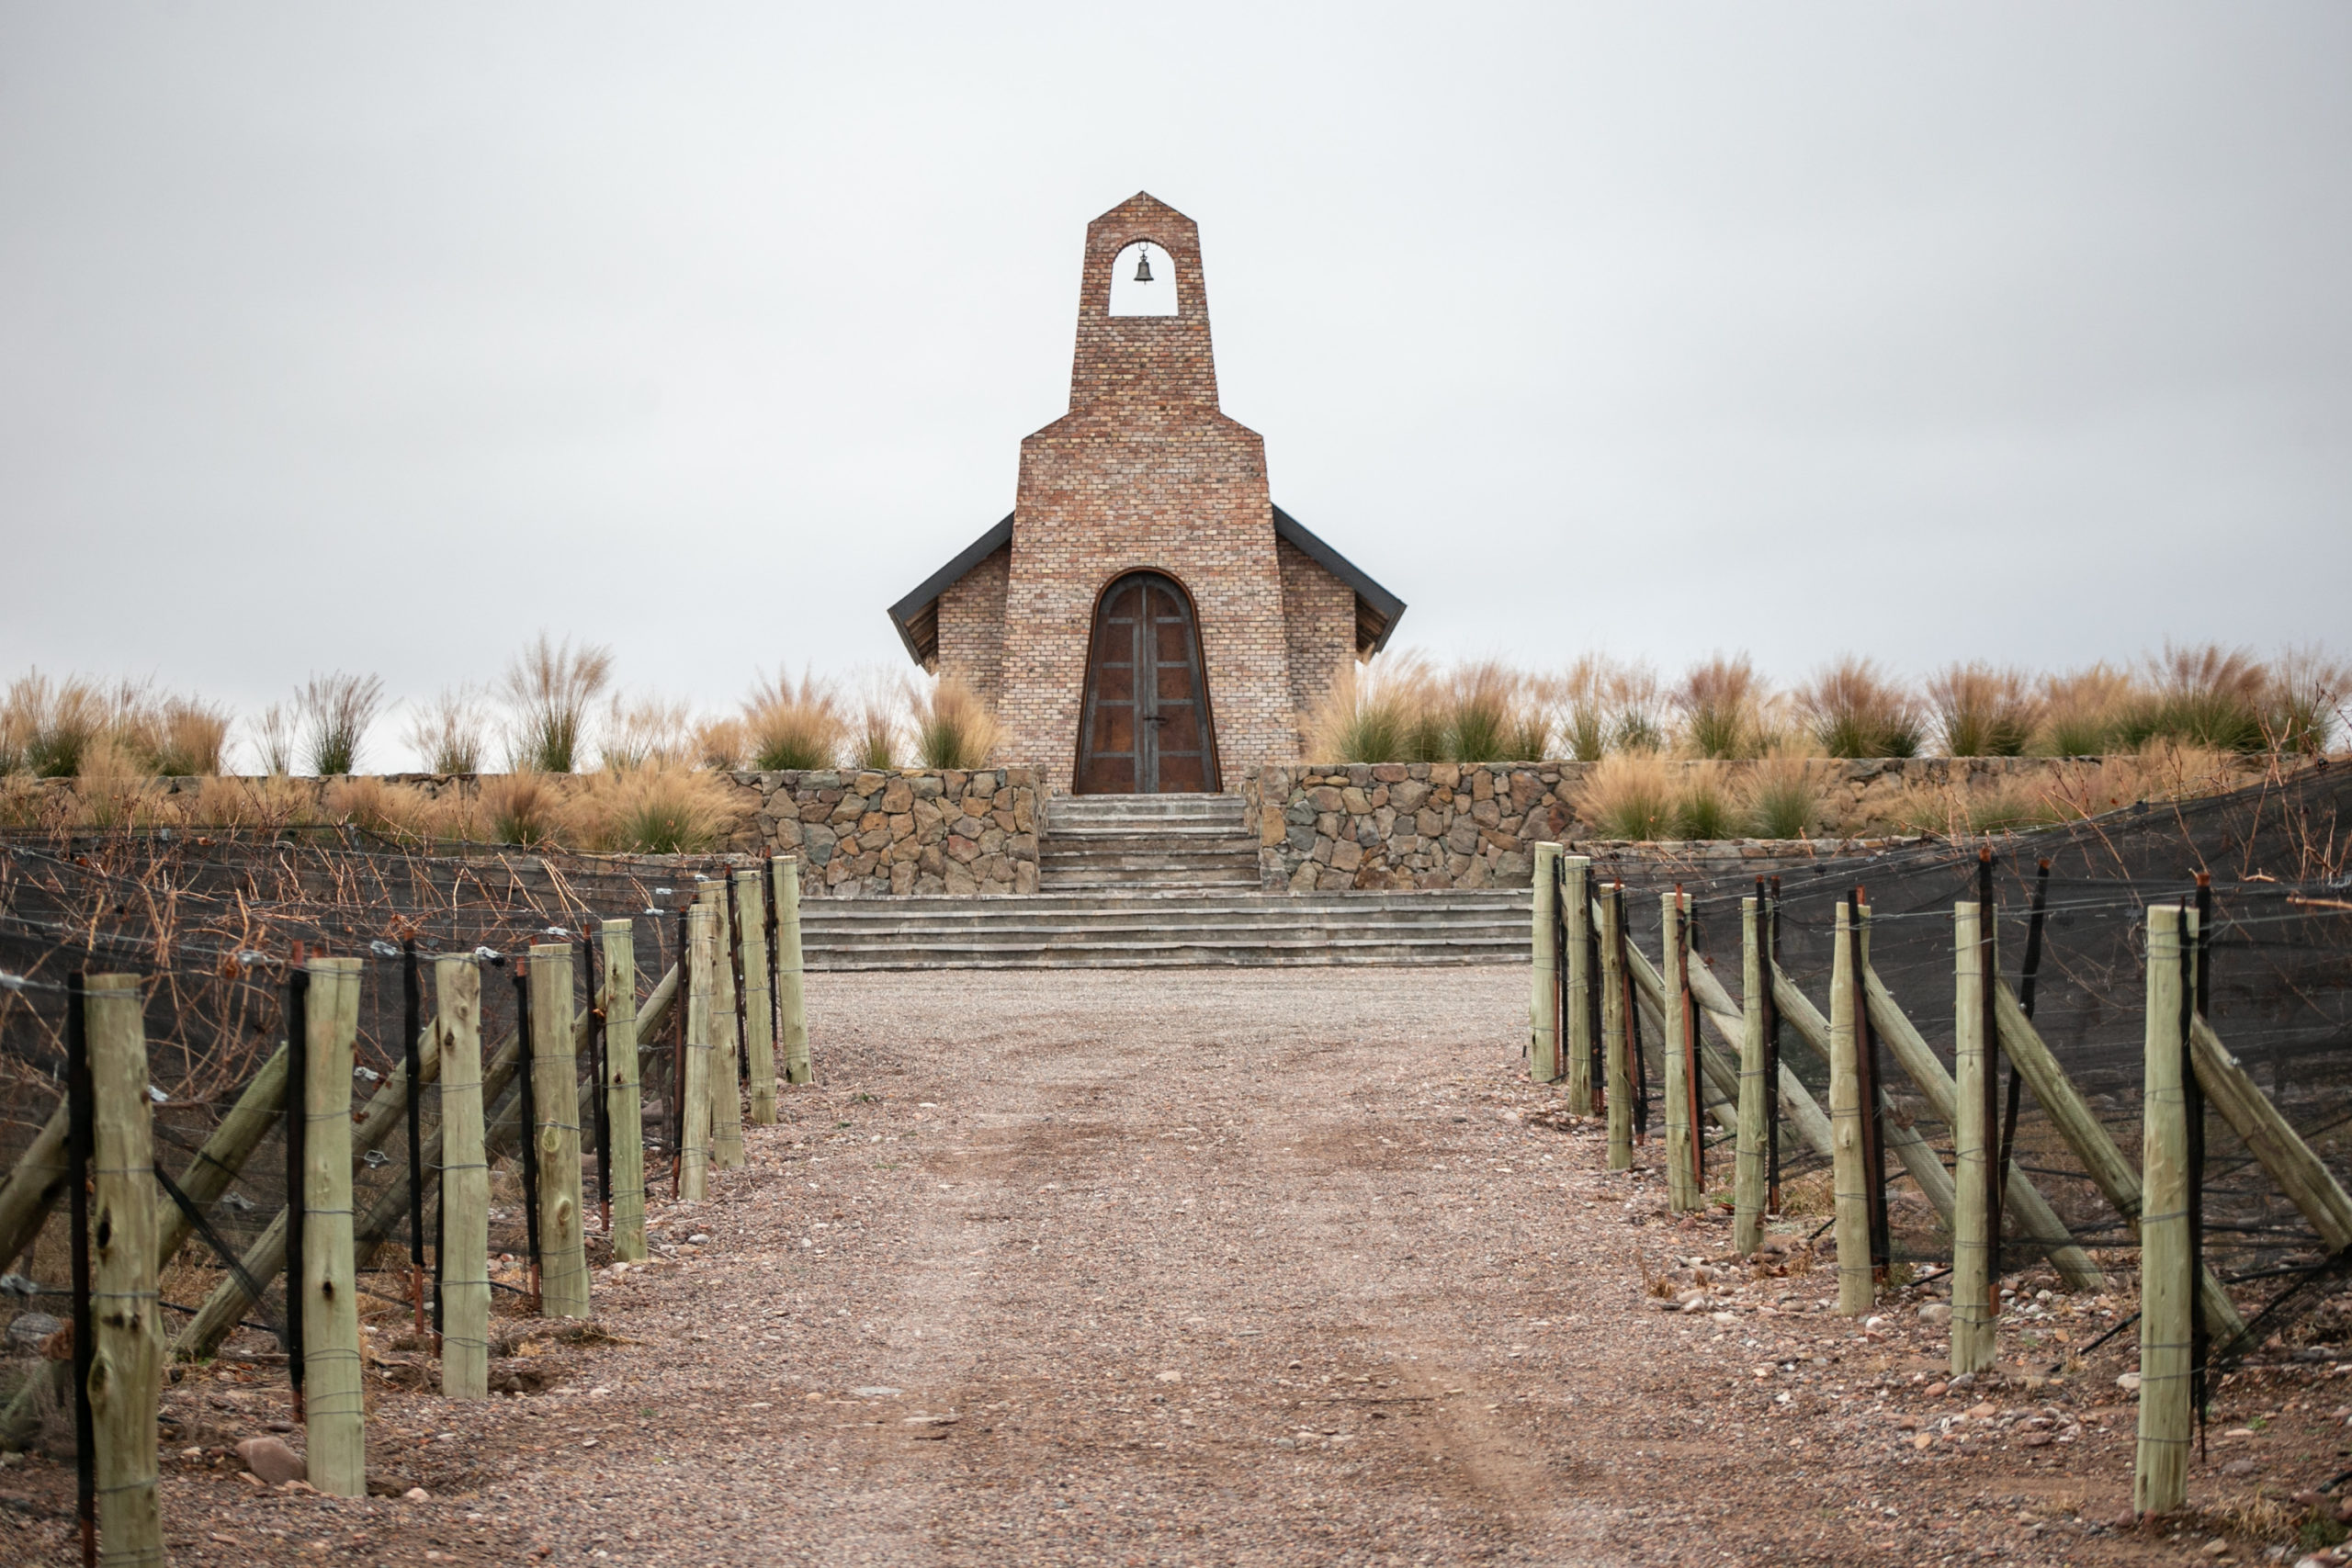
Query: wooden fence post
(1682, 1194)
(759, 1002)
(2160, 1471)
(555, 1085)
(465, 1181)
(1576, 995)
(693, 1090)
(624, 1099)
(1975, 1271)
(725, 1087)
(792, 1009)
(1755, 1096)
(127, 1366)
(336, 1411)
(1544, 992)
(1847, 1152)
(1616, 1032)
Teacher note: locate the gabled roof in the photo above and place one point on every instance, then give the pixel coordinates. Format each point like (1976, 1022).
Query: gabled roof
(1377, 610)
(916, 617)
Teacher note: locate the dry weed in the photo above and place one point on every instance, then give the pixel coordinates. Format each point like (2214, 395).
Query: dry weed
(1374, 712)
(450, 731)
(1631, 794)
(1984, 712)
(550, 688)
(1720, 703)
(1855, 710)
(653, 809)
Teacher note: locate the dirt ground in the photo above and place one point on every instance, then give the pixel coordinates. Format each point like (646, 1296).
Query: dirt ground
(1219, 1267)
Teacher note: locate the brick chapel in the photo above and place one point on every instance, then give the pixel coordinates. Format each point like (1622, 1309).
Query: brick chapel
(1146, 620)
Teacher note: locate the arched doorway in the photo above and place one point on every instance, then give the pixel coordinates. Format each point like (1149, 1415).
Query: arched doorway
(1146, 726)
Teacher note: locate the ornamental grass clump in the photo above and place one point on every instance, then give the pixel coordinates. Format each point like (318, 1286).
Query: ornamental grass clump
(953, 725)
(1781, 798)
(1855, 710)
(643, 732)
(550, 688)
(1984, 712)
(1704, 809)
(2081, 710)
(794, 727)
(1487, 713)
(45, 724)
(1720, 703)
(2203, 696)
(334, 713)
(659, 808)
(450, 732)
(1380, 711)
(1630, 795)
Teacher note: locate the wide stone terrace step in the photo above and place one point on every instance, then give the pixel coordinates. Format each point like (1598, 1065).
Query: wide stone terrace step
(1150, 930)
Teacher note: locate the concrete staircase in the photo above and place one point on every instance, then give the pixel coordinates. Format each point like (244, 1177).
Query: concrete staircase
(1143, 931)
(1136, 882)
(1160, 843)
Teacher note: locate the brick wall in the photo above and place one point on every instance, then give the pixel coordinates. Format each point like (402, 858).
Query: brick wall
(971, 626)
(1320, 615)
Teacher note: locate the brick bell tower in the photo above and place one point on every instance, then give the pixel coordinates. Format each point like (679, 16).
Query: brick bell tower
(1146, 620)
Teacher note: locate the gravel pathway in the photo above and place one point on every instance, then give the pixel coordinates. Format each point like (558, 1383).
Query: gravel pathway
(1178, 1266)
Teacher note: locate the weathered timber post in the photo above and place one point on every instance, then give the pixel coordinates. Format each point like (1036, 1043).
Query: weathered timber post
(555, 1070)
(759, 1003)
(725, 1086)
(1544, 989)
(125, 1369)
(1976, 1270)
(694, 1086)
(336, 1413)
(1578, 1032)
(2160, 1471)
(465, 1181)
(792, 1008)
(1755, 1096)
(1616, 1030)
(1849, 1151)
(624, 1101)
(1682, 1194)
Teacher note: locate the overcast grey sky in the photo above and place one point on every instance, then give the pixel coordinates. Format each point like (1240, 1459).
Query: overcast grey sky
(384, 337)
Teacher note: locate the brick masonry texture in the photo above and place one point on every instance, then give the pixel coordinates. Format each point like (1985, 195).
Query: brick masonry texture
(1146, 473)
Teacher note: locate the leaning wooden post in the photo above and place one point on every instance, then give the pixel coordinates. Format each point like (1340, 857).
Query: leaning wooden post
(792, 1009)
(1682, 1194)
(127, 1368)
(758, 1004)
(465, 1181)
(336, 1411)
(1975, 1271)
(1616, 1032)
(555, 1084)
(1755, 1097)
(1576, 997)
(694, 1088)
(725, 1087)
(1544, 991)
(624, 1101)
(1847, 1154)
(2160, 1472)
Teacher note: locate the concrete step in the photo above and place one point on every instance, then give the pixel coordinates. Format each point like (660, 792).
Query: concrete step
(1152, 929)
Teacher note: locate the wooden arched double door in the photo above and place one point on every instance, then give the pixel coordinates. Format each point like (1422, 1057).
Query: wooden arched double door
(1144, 729)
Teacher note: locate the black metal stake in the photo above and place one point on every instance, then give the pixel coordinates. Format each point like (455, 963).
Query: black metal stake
(597, 1068)
(2196, 970)
(527, 1112)
(678, 1062)
(81, 1136)
(2026, 979)
(1873, 1109)
(1771, 1047)
(298, 1139)
(412, 1060)
(1633, 1027)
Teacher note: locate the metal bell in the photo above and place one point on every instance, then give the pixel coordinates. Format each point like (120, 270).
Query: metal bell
(1143, 265)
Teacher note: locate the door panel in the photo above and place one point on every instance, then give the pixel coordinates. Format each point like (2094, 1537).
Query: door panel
(1144, 729)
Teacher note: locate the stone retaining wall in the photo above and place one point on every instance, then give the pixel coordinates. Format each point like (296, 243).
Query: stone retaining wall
(895, 832)
(1470, 825)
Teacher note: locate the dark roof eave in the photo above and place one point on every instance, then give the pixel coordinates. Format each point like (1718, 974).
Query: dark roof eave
(903, 613)
(1382, 603)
